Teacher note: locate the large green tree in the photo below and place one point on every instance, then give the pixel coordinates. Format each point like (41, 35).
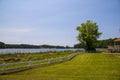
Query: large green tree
(88, 34)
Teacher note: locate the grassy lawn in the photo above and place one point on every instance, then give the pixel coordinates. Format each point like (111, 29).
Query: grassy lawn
(93, 66)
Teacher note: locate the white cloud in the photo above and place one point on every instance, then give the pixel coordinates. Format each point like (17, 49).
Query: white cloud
(16, 30)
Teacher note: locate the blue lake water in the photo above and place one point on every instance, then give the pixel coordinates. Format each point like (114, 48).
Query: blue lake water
(12, 51)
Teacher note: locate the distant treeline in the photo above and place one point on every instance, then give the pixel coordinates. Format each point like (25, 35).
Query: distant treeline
(3, 45)
(99, 43)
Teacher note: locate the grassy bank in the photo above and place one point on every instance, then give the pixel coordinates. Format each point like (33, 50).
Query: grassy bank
(23, 57)
(83, 67)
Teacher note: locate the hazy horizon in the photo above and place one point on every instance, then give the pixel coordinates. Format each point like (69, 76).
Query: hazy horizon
(54, 22)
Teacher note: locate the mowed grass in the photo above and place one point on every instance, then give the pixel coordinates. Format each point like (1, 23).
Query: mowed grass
(94, 66)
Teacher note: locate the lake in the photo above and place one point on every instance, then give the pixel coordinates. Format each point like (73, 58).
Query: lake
(5, 51)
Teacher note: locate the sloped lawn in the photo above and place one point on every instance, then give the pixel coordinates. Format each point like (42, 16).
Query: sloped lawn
(89, 66)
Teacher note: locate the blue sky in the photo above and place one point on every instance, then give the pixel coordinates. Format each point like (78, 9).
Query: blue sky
(54, 21)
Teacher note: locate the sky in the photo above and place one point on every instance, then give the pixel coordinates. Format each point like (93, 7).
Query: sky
(54, 22)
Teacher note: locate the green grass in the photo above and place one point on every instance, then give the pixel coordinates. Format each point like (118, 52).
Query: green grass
(93, 66)
(36, 58)
(23, 57)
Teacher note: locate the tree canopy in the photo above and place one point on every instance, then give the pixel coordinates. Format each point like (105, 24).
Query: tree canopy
(100, 43)
(2, 45)
(88, 34)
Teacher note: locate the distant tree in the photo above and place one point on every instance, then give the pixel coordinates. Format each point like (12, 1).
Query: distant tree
(88, 34)
(2, 45)
(99, 43)
(79, 45)
(67, 46)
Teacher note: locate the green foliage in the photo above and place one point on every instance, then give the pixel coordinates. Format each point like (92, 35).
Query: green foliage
(88, 34)
(31, 46)
(105, 43)
(2, 45)
(99, 44)
(83, 67)
(79, 45)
